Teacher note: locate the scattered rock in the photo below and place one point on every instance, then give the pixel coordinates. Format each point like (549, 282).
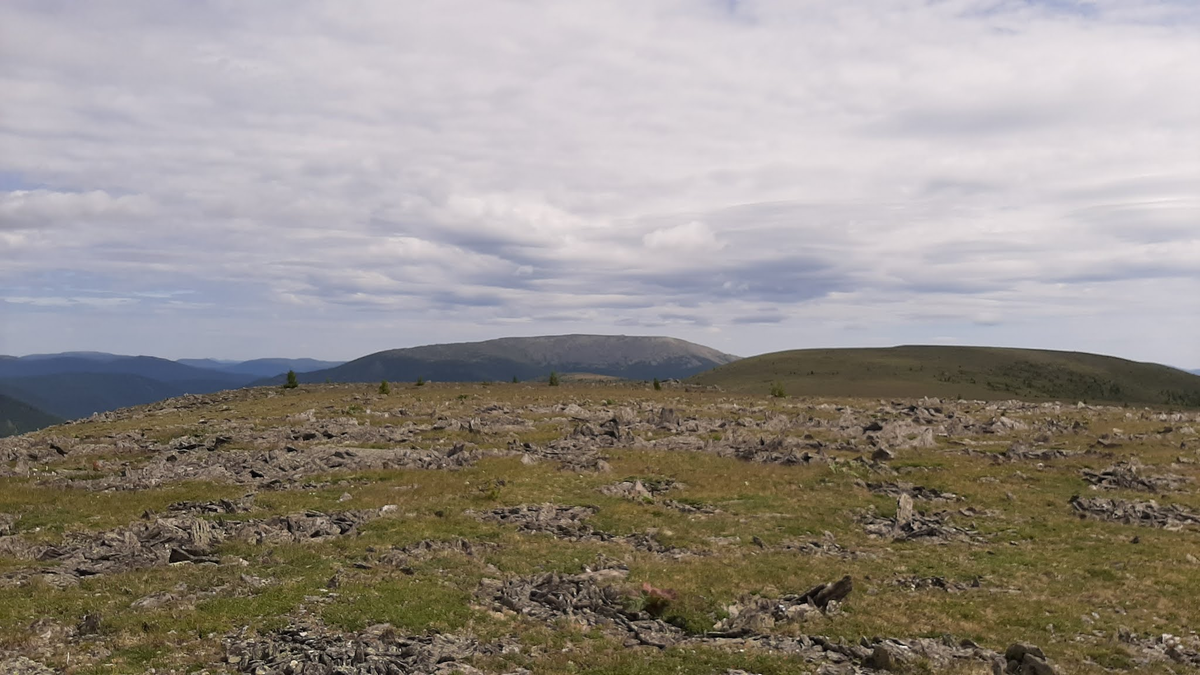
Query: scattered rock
(910, 524)
(1025, 659)
(403, 557)
(378, 649)
(162, 541)
(1131, 475)
(19, 665)
(567, 522)
(588, 599)
(243, 505)
(8, 524)
(1164, 648)
(632, 489)
(1147, 513)
(914, 583)
(914, 491)
(755, 615)
(826, 547)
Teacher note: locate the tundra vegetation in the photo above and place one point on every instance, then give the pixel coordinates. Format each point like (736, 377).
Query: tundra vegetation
(600, 528)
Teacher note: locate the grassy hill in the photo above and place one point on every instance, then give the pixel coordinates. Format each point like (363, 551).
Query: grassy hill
(630, 357)
(984, 373)
(18, 417)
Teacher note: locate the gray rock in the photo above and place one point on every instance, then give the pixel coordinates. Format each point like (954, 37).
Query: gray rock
(19, 665)
(904, 512)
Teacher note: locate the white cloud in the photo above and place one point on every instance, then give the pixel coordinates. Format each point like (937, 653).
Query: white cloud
(693, 236)
(829, 173)
(42, 209)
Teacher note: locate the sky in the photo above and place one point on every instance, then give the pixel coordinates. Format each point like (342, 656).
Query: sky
(231, 179)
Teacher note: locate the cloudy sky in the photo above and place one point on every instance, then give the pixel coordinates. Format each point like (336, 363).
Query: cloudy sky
(293, 178)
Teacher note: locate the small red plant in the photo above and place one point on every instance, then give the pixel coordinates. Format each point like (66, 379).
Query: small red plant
(655, 600)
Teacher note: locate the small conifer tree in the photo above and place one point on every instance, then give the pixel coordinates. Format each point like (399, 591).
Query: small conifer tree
(420, 381)
(553, 379)
(657, 385)
(385, 388)
(515, 380)
(292, 382)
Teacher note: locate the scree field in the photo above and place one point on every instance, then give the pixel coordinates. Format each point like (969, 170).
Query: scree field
(600, 528)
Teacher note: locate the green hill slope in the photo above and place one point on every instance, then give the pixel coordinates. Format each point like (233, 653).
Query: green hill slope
(18, 417)
(987, 373)
(629, 357)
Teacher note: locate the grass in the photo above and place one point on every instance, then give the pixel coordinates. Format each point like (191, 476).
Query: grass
(1042, 571)
(975, 373)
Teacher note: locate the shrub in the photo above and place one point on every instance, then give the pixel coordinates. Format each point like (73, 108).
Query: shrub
(777, 390)
(385, 388)
(553, 379)
(657, 385)
(515, 380)
(420, 381)
(292, 382)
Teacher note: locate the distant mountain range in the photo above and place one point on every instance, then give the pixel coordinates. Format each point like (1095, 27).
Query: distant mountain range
(260, 367)
(76, 384)
(42, 389)
(18, 417)
(527, 358)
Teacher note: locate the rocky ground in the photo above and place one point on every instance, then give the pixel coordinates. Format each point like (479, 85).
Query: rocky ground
(605, 528)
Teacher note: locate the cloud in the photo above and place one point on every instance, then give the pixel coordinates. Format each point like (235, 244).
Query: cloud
(299, 177)
(43, 209)
(693, 236)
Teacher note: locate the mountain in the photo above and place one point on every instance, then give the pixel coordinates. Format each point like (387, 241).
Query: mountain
(18, 417)
(208, 364)
(144, 366)
(77, 384)
(988, 373)
(74, 395)
(99, 357)
(630, 357)
(261, 367)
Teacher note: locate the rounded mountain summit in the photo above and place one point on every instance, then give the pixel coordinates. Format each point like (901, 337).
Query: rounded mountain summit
(526, 358)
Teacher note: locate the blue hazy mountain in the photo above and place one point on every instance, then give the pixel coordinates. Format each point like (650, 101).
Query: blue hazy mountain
(261, 367)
